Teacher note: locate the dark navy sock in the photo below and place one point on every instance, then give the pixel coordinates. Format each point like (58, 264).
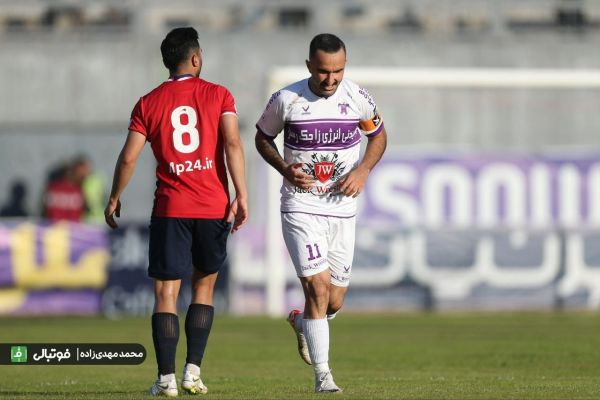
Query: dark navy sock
(198, 322)
(165, 334)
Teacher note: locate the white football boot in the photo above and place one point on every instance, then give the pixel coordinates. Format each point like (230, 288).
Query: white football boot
(324, 383)
(191, 381)
(165, 385)
(297, 327)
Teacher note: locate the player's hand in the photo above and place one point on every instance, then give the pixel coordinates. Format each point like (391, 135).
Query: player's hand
(238, 213)
(294, 174)
(353, 183)
(113, 208)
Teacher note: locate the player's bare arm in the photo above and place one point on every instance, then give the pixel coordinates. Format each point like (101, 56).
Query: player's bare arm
(123, 172)
(292, 172)
(354, 182)
(234, 154)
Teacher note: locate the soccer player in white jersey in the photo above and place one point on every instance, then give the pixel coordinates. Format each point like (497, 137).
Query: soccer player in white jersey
(322, 119)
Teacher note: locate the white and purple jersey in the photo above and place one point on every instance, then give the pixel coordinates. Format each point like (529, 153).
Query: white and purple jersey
(324, 134)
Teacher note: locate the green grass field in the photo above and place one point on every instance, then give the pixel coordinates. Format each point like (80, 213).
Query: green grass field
(383, 356)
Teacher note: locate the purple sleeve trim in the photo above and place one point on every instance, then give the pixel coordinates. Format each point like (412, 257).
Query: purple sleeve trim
(377, 132)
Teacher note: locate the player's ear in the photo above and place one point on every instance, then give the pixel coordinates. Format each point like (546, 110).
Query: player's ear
(308, 64)
(196, 60)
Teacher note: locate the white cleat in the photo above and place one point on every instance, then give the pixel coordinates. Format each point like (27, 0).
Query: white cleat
(192, 383)
(164, 387)
(324, 383)
(302, 346)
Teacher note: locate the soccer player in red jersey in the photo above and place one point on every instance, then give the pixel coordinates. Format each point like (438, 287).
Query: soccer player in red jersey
(192, 127)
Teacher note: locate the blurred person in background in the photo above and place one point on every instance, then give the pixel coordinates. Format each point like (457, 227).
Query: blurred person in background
(63, 198)
(92, 187)
(192, 127)
(322, 118)
(15, 204)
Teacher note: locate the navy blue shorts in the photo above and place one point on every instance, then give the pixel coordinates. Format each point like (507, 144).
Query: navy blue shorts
(177, 244)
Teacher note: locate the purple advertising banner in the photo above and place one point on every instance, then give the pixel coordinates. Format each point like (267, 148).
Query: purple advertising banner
(483, 190)
(52, 268)
(50, 302)
(456, 231)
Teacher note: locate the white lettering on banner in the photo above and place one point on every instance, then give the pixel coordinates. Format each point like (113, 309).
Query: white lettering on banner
(457, 180)
(569, 196)
(497, 194)
(541, 214)
(491, 179)
(578, 274)
(594, 195)
(450, 283)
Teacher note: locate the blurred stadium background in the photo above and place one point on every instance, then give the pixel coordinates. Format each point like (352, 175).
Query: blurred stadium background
(488, 197)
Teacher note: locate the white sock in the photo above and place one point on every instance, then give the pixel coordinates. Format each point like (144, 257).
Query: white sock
(331, 316)
(166, 378)
(321, 367)
(316, 332)
(192, 368)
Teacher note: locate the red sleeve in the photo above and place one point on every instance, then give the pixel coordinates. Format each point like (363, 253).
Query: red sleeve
(136, 122)
(228, 105)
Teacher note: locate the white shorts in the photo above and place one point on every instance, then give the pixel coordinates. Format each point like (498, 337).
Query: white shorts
(317, 242)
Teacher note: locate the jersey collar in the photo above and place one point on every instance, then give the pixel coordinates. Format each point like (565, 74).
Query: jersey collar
(180, 77)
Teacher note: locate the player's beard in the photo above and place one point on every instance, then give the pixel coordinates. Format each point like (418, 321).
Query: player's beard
(328, 92)
(318, 88)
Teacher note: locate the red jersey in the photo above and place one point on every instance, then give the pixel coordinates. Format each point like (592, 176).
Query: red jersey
(180, 119)
(63, 200)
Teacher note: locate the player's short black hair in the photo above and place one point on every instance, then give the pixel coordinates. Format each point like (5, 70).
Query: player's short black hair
(176, 46)
(327, 42)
